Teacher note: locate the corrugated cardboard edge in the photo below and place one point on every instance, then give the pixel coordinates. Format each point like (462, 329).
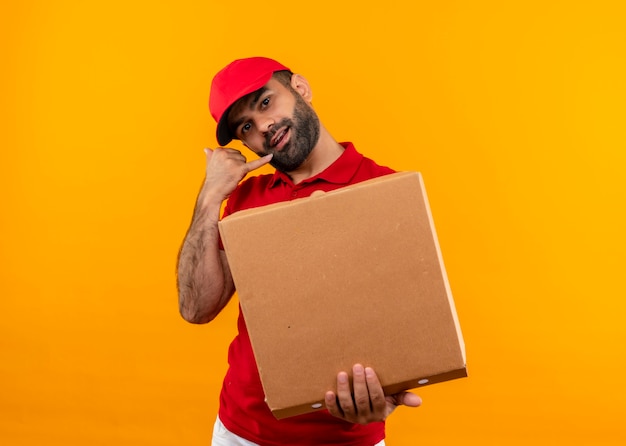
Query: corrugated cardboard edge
(280, 413)
(444, 273)
(318, 194)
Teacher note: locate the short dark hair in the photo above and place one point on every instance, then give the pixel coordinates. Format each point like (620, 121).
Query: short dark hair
(284, 77)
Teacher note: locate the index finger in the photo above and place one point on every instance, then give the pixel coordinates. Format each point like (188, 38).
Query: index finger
(377, 396)
(255, 164)
(361, 393)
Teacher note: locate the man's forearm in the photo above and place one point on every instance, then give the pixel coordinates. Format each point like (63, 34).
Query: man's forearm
(204, 282)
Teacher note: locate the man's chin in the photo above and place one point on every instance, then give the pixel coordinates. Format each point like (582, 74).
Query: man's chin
(283, 164)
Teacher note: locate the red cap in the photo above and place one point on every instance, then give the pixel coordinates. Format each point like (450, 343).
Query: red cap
(237, 79)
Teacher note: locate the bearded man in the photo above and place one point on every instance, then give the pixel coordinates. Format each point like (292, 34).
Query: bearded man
(262, 103)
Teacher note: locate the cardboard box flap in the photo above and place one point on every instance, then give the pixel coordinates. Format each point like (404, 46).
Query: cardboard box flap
(349, 276)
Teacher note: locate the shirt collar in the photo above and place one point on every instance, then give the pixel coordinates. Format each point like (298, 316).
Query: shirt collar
(339, 172)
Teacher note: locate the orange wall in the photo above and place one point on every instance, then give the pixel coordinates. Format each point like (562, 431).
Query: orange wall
(513, 111)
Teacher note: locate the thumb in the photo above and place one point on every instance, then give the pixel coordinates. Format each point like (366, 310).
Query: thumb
(255, 164)
(208, 152)
(408, 399)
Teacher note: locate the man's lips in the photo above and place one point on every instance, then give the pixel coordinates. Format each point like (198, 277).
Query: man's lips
(279, 139)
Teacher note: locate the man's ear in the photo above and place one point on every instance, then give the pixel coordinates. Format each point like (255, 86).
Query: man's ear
(302, 86)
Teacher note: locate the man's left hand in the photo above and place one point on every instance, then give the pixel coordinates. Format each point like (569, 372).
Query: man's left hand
(365, 402)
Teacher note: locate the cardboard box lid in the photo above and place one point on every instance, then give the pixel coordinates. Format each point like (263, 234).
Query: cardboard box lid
(349, 276)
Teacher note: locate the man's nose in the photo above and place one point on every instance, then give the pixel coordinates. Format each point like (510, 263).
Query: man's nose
(264, 124)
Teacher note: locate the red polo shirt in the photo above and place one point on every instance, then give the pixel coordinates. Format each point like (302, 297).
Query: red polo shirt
(242, 402)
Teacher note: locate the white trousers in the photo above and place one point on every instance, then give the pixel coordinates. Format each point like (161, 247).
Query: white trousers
(224, 437)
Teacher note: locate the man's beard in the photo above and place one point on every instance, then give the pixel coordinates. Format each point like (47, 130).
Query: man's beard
(305, 132)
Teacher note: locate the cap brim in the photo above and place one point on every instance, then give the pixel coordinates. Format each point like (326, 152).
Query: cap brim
(223, 133)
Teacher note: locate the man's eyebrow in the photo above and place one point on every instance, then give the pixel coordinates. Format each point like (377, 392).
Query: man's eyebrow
(257, 95)
(255, 98)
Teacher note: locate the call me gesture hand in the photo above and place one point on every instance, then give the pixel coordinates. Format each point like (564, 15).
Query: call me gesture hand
(225, 168)
(365, 402)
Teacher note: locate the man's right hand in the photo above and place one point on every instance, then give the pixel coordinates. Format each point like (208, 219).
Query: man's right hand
(225, 168)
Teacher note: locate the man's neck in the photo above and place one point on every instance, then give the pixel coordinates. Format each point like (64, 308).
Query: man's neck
(325, 152)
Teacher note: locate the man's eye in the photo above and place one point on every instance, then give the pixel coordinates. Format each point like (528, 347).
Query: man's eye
(265, 102)
(245, 128)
